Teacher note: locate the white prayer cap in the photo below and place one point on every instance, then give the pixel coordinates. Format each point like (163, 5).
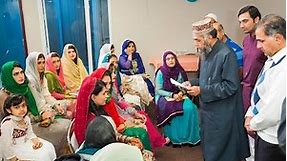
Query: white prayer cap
(202, 26)
(212, 16)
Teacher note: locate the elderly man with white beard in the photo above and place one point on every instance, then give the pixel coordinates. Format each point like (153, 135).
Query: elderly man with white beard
(223, 137)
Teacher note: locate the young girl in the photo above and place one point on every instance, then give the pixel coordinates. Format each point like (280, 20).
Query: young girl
(17, 137)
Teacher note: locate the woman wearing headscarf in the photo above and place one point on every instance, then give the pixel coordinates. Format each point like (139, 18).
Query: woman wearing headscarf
(113, 59)
(130, 63)
(47, 104)
(56, 84)
(14, 81)
(176, 112)
(55, 77)
(101, 134)
(106, 143)
(83, 115)
(133, 114)
(73, 68)
(110, 108)
(105, 52)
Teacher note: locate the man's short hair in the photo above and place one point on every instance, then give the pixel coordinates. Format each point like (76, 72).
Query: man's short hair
(273, 24)
(252, 10)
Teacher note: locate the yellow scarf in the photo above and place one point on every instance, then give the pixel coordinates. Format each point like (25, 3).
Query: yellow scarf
(74, 74)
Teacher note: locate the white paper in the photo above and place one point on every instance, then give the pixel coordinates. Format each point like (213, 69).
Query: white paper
(177, 83)
(172, 99)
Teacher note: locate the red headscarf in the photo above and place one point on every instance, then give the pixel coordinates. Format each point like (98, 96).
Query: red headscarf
(110, 107)
(83, 116)
(50, 67)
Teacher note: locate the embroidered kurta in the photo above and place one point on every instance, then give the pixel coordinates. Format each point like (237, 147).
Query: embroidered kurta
(16, 142)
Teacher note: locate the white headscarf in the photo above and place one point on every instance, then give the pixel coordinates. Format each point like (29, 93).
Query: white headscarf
(119, 152)
(31, 69)
(106, 49)
(42, 96)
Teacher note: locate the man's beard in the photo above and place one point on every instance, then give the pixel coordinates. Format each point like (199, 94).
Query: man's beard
(204, 52)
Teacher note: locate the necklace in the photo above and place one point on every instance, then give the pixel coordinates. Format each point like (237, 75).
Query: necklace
(20, 122)
(22, 129)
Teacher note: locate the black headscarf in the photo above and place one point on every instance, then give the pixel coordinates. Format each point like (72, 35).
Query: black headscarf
(99, 133)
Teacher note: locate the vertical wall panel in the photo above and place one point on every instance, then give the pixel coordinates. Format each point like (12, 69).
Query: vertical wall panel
(66, 24)
(100, 26)
(11, 34)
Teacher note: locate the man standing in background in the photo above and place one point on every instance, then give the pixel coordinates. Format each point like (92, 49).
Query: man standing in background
(253, 58)
(264, 114)
(235, 47)
(212, 16)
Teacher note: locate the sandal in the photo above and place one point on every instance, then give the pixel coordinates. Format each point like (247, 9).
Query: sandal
(167, 140)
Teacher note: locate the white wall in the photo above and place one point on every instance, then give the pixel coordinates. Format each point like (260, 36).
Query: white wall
(157, 25)
(154, 25)
(34, 25)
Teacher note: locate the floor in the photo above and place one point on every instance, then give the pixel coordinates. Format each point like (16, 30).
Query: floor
(185, 153)
(170, 153)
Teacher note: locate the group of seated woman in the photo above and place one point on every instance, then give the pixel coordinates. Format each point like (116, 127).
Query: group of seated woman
(108, 105)
(46, 91)
(175, 111)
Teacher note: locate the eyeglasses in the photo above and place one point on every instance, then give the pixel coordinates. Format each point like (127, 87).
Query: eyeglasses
(170, 58)
(18, 73)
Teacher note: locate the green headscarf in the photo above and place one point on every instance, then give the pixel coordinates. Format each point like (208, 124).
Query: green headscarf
(12, 86)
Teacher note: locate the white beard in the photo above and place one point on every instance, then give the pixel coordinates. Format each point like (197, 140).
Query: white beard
(203, 53)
